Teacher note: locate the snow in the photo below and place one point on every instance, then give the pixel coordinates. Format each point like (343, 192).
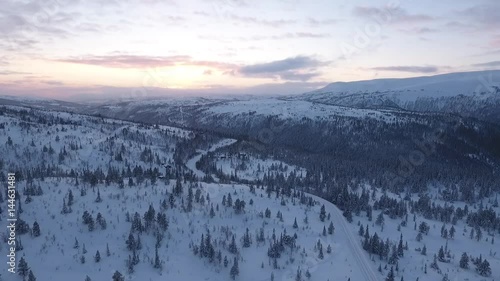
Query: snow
(295, 110)
(191, 163)
(252, 168)
(410, 89)
(52, 256)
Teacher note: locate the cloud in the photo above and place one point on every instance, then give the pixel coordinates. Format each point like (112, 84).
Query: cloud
(134, 61)
(288, 35)
(305, 35)
(283, 36)
(22, 23)
(297, 76)
(486, 15)
(420, 30)
(412, 69)
(495, 42)
(4, 61)
(74, 93)
(487, 64)
(8, 72)
(259, 21)
(52, 82)
(298, 62)
(321, 22)
(390, 15)
(299, 68)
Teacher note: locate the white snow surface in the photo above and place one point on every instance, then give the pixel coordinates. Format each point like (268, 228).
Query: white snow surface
(410, 89)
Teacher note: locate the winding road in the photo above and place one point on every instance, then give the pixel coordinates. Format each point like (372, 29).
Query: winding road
(191, 163)
(358, 253)
(361, 259)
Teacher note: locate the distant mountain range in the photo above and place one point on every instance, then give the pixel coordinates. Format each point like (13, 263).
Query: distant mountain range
(474, 94)
(353, 126)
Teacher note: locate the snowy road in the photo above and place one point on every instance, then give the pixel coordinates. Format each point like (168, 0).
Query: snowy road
(191, 163)
(358, 253)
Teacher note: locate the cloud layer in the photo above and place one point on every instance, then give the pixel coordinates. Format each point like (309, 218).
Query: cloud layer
(299, 68)
(411, 69)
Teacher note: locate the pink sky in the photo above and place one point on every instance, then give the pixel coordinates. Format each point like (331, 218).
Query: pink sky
(66, 49)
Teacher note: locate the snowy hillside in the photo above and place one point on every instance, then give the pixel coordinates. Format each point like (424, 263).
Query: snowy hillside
(101, 199)
(411, 89)
(469, 93)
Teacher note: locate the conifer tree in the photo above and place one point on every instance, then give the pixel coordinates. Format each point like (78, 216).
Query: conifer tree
(464, 261)
(31, 276)
(390, 275)
(157, 263)
(70, 198)
(117, 276)
(97, 256)
(235, 270)
(331, 229)
(483, 268)
(322, 213)
(98, 199)
(23, 268)
(36, 229)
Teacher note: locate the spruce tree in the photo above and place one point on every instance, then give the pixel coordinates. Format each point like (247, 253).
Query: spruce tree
(308, 274)
(390, 275)
(441, 256)
(23, 268)
(246, 239)
(233, 249)
(331, 229)
(131, 245)
(298, 276)
(212, 213)
(464, 261)
(97, 257)
(31, 276)
(98, 199)
(483, 268)
(36, 229)
(157, 263)
(322, 213)
(117, 276)
(70, 198)
(91, 224)
(235, 270)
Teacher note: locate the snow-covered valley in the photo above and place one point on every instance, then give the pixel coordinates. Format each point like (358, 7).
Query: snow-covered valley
(90, 188)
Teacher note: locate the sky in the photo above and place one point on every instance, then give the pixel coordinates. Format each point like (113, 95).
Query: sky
(83, 49)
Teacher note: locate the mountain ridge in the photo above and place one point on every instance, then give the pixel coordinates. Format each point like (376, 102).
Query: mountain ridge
(469, 94)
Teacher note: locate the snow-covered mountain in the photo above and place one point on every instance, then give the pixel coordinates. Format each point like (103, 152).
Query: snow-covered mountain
(308, 199)
(475, 94)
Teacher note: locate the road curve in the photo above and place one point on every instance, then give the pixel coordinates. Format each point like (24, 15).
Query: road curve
(358, 253)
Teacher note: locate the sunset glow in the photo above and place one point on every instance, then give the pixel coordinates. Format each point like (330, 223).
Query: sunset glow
(73, 47)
